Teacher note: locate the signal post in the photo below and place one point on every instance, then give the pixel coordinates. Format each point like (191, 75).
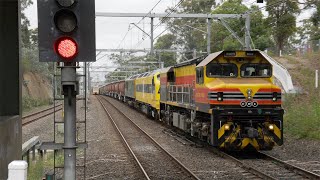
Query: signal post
(67, 37)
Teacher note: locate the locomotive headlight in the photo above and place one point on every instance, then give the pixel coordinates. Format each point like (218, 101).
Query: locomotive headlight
(274, 96)
(220, 96)
(227, 127)
(270, 127)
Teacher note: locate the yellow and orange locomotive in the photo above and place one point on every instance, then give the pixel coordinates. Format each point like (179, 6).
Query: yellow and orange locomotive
(227, 98)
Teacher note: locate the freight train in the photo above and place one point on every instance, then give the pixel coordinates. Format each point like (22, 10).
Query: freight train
(227, 98)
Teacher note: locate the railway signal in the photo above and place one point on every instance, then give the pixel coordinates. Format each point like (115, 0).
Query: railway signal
(66, 30)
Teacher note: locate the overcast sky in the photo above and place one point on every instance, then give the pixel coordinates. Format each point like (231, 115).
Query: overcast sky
(111, 31)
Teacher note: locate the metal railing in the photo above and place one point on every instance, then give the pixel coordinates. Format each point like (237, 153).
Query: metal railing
(31, 145)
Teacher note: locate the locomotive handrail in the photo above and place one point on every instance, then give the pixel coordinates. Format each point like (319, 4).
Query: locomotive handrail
(174, 90)
(281, 73)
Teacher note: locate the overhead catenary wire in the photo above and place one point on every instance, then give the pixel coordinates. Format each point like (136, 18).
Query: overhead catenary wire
(102, 57)
(162, 20)
(130, 28)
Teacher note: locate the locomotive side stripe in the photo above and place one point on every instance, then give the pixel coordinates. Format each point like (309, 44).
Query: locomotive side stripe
(163, 80)
(185, 79)
(270, 90)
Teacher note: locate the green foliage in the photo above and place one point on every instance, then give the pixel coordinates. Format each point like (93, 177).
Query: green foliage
(166, 42)
(301, 118)
(313, 4)
(187, 37)
(303, 110)
(30, 63)
(221, 38)
(198, 6)
(28, 103)
(29, 39)
(25, 23)
(282, 19)
(37, 168)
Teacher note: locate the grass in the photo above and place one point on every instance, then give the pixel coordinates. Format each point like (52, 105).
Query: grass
(302, 111)
(29, 103)
(38, 168)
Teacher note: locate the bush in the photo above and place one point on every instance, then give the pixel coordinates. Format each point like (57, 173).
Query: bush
(302, 117)
(28, 103)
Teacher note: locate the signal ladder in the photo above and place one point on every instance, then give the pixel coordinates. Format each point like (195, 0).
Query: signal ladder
(58, 127)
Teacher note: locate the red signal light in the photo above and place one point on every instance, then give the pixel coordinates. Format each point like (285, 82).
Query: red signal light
(66, 47)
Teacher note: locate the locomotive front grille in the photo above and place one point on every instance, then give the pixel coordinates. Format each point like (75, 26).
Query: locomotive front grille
(269, 95)
(226, 95)
(247, 118)
(240, 96)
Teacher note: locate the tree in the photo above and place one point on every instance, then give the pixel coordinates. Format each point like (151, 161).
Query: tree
(221, 37)
(166, 42)
(25, 23)
(29, 43)
(282, 20)
(309, 4)
(191, 33)
(187, 37)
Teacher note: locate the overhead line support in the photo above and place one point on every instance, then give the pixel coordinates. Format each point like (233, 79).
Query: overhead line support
(209, 17)
(162, 15)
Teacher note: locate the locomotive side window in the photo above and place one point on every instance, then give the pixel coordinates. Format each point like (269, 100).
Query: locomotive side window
(170, 76)
(222, 70)
(256, 70)
(199, 75)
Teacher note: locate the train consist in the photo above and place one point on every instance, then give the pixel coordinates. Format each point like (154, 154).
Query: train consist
(227, 98)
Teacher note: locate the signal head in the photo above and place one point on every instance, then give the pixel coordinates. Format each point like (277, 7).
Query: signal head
(65, 20)
(66, 48)
(65, 3)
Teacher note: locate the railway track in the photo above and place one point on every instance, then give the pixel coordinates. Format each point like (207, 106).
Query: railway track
(269, 167)
(152, 159)
(40, 114)
(259, 165)
(289, 171)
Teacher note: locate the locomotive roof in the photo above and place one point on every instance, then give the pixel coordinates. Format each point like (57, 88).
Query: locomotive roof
(191, 61)
(145, 74)
(167, 69)
(209, 58)
(212, 56)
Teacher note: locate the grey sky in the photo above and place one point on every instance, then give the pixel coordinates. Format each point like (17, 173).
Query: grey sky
(110, 31)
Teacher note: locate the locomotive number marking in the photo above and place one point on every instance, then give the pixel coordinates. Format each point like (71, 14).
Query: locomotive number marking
(200, 95)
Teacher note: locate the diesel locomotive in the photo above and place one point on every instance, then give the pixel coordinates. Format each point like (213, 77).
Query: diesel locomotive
(227, 98)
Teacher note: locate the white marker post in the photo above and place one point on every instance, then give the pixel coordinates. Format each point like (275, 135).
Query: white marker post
(317, 79)
(18, 170)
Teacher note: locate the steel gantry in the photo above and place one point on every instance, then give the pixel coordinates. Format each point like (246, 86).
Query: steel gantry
(209, 17)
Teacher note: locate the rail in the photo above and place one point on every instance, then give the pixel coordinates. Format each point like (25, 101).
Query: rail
(294, 168)
(29, 118)
(150, 138)
(125, 142)
(250, 169)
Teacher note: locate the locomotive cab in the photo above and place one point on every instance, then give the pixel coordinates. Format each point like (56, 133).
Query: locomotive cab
(236, 88)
